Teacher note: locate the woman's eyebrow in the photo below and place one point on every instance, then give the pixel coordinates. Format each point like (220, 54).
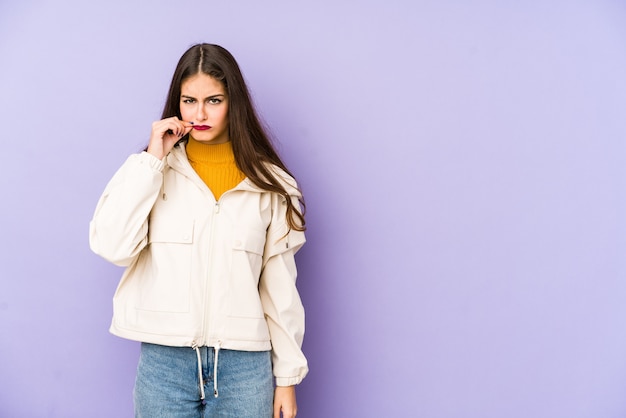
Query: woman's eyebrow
(209, 97)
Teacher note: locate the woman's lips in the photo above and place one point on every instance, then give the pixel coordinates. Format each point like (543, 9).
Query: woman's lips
(201, 127)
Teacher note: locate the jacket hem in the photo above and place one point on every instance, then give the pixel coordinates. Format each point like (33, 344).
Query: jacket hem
(186, 341)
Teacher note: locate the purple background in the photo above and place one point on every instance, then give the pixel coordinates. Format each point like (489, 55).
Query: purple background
(463, 165)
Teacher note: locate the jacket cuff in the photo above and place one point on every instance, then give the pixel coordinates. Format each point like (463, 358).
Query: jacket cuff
(152, 161)
(288, 381)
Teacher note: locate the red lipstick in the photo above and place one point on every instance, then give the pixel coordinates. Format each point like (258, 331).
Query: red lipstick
(201, 127)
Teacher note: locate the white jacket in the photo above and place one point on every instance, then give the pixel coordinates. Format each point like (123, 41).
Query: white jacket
(201, 272)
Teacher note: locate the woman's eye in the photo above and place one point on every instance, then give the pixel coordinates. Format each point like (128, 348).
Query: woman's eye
(188, 101)
(215, 100)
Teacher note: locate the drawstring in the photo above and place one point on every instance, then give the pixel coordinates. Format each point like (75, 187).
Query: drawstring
(195, 347)
(217, 353)
(201, 380)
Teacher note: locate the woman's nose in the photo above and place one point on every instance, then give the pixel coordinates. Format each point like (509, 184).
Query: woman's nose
(201, 113)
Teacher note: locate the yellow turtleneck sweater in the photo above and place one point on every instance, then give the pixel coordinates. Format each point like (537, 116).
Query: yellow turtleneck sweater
(215, 164)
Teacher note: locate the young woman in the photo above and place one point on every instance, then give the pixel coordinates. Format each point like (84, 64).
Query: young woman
(207, 221)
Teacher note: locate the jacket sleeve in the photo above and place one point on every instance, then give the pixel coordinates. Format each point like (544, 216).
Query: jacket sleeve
(119, 227)
(281, 302)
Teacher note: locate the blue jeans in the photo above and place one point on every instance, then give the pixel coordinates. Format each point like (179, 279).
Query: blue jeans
(167, 383)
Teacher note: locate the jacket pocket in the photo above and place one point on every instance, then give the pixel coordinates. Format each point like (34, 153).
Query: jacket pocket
(166, 281)
(246, 267)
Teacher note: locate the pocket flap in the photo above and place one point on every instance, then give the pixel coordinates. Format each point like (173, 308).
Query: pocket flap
(172, 230)
(250, 240)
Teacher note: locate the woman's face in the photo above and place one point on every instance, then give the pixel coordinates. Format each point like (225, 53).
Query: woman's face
(204, 102)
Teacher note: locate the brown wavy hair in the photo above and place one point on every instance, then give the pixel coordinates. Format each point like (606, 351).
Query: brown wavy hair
(251, 143)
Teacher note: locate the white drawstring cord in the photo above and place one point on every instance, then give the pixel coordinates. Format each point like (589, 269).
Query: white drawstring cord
(201, 380)
(217, 353)
(195, 347)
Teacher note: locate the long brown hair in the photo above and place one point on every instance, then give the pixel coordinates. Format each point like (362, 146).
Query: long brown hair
(251, 144)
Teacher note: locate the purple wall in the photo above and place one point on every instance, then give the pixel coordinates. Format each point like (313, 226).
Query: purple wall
(463, 164)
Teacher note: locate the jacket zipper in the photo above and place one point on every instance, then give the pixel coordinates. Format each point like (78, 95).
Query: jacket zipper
(208, 293)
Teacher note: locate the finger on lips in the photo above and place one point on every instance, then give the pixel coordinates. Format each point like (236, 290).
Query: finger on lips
(186, 127)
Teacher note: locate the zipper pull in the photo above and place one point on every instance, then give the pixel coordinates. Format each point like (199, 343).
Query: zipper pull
(217, 207)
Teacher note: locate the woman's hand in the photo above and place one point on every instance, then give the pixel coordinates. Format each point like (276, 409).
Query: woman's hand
(165, 134)
(285, 402)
